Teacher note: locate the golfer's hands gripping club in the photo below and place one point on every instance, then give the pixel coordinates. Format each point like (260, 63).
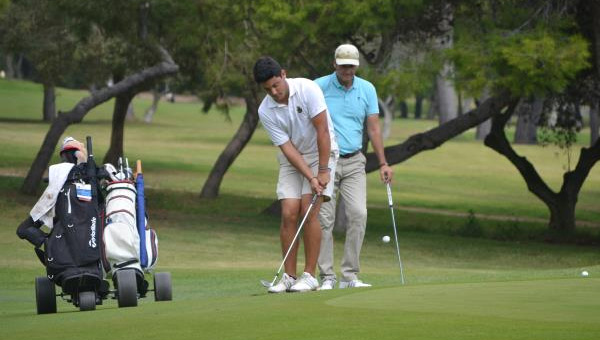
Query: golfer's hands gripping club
(386, 173)
(316, 186)
(322, 179)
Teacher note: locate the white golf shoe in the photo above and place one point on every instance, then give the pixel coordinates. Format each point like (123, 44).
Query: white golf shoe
(327, 284)
(305, 283)
(283, 285)
(353, 284)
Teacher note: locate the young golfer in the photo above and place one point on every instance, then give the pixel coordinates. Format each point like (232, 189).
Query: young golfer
(295, 115)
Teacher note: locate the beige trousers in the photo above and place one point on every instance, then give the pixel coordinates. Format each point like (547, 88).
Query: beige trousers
(350, 190)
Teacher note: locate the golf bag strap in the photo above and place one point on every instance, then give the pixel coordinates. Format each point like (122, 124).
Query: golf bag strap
(126, 263)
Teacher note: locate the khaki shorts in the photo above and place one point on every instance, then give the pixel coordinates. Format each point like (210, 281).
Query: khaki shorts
(291, 183)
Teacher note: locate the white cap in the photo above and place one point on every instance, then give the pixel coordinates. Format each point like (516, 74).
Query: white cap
(346, 54)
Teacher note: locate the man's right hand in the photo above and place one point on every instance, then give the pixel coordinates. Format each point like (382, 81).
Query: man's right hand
(316, 186)
(324, 178)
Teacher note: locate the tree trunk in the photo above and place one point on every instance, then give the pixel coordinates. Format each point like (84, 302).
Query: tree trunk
(562, 204)
(152, 109)
(594, 8)
(418, 106)
(122, 104)
(10, 69)
(594, 123)
(19, 67)
(433, 107)
(484, 128)
(234, 148)
(130, 114)
(385, 109)
(403, 109)
(49, 107)
(59, 125)
(562, 213)
(446, 95)
(528, 112)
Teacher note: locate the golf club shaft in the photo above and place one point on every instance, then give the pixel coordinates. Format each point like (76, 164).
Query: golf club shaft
(312, 202)
(391, 203)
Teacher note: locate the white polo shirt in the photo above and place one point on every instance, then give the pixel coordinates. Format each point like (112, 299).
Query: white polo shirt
(293, 121)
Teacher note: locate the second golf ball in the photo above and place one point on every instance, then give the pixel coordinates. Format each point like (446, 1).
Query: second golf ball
(385, 239)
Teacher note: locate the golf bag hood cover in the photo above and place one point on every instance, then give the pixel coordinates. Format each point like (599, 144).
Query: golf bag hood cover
(71, 144)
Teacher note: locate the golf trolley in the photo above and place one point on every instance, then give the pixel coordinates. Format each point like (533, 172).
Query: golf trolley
(93, 236)
(87, 291)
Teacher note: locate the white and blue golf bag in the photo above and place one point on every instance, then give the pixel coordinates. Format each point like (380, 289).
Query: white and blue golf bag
(121, 237)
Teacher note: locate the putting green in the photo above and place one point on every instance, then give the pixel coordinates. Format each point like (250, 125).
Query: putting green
(572, 300)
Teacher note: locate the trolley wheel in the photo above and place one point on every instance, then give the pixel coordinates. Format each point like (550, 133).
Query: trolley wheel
(87, 301)
(45, 295)
(162, 287)
(126, 288)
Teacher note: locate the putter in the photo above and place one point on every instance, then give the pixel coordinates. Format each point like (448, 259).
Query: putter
(389, 193)
(268, 284)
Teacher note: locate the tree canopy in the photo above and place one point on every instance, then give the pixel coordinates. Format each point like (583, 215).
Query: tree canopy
(505, 49)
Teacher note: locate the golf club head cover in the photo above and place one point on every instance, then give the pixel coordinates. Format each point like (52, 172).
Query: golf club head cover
(73, 151)
(30, 231)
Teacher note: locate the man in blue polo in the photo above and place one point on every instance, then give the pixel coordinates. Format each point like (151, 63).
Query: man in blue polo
(350, 100)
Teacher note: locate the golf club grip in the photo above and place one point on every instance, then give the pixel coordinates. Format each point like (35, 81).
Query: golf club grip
(88, 141)
(389, 193)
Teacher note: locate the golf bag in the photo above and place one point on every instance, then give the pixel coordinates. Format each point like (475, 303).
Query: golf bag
(73, 208)
(121, 235)
(72, 249)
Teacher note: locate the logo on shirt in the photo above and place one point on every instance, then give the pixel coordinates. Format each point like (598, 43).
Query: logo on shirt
(299, 109)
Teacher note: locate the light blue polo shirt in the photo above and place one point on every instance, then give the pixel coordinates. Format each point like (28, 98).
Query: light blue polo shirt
(349, 109)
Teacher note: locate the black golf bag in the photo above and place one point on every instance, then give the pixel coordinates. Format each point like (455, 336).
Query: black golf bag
(72, 249)
(71, 252)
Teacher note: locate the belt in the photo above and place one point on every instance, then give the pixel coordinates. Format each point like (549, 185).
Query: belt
(348, 155)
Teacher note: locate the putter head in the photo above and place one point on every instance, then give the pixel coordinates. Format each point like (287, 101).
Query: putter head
(266, 284)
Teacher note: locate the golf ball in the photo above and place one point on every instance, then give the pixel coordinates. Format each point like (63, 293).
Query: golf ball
(585, 273)
(385, 239)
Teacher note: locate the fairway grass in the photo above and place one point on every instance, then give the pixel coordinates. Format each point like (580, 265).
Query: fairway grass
(541, 309)
(456, 288)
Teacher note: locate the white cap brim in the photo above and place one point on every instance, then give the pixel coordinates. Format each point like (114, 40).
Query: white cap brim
(347, 62)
